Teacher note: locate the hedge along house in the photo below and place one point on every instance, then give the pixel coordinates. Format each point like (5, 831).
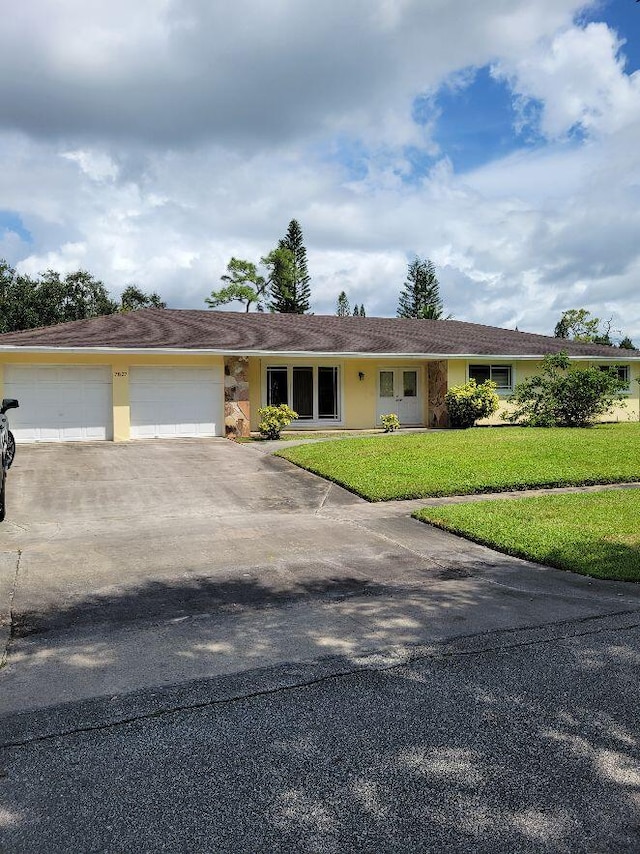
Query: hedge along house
(174, 373)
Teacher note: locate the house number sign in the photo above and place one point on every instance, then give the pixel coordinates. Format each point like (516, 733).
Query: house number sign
(121, 373)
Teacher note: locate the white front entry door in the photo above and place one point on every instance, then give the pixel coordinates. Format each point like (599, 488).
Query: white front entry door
(399, 393)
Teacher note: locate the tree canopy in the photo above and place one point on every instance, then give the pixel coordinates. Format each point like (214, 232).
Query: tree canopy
(28, 302)
(290, 290)
(577, 324)
(420, 296)
(244, 284)
(343, 309)
(285, 286)
(133, 298)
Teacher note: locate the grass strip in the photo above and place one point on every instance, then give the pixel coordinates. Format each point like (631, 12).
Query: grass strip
(595, 533)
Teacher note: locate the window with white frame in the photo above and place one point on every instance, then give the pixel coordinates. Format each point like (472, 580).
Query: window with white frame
(621, 371)
(311, 391)
(501, 375)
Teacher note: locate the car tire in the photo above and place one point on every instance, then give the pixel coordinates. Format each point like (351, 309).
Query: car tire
(11, 450)
(3, 489)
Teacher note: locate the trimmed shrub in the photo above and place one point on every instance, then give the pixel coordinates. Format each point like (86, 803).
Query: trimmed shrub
(273, 419)
(390, 422)
(469, 402)
(562, 396)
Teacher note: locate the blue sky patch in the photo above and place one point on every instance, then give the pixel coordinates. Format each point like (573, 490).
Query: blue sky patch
(476, 123)
(623, 16)
(10, 221)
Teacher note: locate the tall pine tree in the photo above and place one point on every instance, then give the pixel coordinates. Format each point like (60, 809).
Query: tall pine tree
(343, 309)
(420, 296)
(290, 292)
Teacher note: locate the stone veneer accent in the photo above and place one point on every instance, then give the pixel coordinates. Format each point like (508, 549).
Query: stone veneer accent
(437, 414)
(237, 412)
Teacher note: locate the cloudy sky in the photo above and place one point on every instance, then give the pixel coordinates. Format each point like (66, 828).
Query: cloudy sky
(149, 142)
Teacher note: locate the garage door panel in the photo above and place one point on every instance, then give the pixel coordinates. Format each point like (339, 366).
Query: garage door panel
(173, 402)
(60, 403)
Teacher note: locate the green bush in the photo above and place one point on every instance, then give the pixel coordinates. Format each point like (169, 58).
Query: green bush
(390, 422)
(562, 396)
(469, 402)
(273, 419)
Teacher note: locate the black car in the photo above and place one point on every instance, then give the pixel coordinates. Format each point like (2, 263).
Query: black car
(7, 450)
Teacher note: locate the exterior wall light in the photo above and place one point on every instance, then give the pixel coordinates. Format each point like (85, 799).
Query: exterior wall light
(360, 375)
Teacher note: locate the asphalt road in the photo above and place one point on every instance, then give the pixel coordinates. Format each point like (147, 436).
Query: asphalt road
(519, 741)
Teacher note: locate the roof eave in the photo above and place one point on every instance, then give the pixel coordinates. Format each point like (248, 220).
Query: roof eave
(304, 354)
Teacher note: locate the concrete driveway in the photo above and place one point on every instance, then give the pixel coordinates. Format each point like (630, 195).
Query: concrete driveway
(151, 563)
(208, 649)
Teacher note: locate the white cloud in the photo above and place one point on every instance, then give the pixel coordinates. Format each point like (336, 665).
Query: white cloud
(579, 78)
(96, 164)
(150, 144)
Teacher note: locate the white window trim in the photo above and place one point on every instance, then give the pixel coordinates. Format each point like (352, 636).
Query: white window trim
(316, 421)
(627, 390)
(501, 392)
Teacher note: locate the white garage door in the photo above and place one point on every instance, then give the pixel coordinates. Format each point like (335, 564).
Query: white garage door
(60, 403)
(168, 402)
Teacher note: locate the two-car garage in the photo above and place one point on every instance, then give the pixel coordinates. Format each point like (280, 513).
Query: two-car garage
(62, 403)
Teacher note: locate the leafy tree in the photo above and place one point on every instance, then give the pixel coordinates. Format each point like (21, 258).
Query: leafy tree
(420, 297)
(18, 306)
(26, 302)
(343, 309)
(244, 284)
(626, 343)
(469, 402)
(290, 291)
(562, 396)
(76, 297)
(578, 325)
(280, 264)
(133, 298)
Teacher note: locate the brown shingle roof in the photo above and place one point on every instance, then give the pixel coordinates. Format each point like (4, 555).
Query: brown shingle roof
(234, 331)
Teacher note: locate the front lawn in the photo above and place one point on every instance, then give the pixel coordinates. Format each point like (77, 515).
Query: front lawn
(459, 462)
(594, 533)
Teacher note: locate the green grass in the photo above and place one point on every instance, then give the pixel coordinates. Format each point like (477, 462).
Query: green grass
(460, 462)
(594, 533)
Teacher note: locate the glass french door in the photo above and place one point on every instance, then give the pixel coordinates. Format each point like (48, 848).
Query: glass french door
(399, 393)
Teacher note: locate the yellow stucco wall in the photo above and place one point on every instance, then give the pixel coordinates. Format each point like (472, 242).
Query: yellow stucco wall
(522, 369)
(120, 365)
(358, 396)
(456, 372)
(255, 390)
